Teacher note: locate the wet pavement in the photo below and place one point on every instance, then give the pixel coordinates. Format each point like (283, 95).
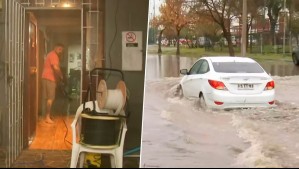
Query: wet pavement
(159, 66)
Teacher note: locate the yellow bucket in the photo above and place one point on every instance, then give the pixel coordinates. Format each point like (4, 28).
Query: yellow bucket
(92, 160)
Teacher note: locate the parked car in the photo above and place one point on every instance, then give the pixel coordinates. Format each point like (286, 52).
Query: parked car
(224, 42)
(228, 82)
(295, 56)
(204, 41)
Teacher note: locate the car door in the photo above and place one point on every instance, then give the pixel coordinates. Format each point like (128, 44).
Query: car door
(202, 78)
(192, 84)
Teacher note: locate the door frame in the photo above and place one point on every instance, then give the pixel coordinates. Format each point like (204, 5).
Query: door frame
(28, 131)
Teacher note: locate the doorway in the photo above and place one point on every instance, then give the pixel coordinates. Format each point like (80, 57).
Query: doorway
(53, 26)
(31, 30)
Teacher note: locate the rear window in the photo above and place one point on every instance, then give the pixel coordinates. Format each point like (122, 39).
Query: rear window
(237, 67)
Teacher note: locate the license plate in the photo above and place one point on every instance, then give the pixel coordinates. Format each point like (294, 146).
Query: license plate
(245, 86)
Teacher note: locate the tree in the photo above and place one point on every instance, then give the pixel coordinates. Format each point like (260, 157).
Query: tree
(293, 6)
(204, 26)
(273, 9)
(295, 26)
(222, 13)
(170, 34)
(254, 10)
(176, 12)
(157, 22)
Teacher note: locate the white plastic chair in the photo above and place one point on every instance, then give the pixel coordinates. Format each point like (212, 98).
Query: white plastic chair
(79, 148)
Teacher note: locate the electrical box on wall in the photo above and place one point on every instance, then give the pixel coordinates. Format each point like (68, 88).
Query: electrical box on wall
(132, 51)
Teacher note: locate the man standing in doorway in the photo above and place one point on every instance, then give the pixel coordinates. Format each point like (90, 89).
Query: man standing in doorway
(51, 75)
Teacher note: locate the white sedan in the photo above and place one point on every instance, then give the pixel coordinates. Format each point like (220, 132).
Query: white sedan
(228, 82)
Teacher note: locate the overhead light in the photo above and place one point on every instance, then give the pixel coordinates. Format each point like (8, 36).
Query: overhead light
(66, 5)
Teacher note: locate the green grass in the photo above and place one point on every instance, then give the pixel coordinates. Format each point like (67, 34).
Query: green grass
(200, 52)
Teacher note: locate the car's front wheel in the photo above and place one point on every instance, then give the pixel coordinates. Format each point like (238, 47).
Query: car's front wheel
(295, 59)
(202, 102)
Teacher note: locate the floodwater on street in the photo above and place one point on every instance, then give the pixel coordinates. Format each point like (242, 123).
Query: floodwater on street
(178, 133)
(159, 66)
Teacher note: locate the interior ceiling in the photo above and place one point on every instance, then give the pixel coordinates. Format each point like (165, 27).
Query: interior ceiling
(59, 21)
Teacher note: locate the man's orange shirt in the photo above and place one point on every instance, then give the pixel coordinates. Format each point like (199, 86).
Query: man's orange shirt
(51, 60)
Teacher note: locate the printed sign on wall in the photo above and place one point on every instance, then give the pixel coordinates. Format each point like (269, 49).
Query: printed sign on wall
(132, 51)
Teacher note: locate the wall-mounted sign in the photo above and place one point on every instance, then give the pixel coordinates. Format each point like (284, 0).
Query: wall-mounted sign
(132, 51)
(131, 39)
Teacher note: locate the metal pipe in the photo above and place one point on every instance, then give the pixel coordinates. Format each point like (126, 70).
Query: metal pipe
(6, 76)
(12, 86)
(18, 79)
(22, 70)
(8, 87)
(82, 52)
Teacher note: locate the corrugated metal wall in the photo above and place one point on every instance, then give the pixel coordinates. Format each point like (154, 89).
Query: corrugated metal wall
(2, 97)
(12, 85)
(12, 53)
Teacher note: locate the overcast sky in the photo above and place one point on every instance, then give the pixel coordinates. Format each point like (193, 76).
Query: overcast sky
(154, 7)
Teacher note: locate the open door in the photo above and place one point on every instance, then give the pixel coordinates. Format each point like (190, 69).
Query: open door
(31, 79)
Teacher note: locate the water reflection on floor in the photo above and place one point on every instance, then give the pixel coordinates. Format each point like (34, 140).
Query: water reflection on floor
(169, 66)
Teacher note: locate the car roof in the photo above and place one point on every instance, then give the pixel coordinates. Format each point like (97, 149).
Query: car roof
(229, 59)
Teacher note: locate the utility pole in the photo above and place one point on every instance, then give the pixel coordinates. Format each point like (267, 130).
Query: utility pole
(244, 29)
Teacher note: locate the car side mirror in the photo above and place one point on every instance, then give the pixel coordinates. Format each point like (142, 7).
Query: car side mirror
(184, 72)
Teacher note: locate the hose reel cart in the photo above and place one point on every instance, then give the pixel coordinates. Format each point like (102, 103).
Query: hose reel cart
(101, 122)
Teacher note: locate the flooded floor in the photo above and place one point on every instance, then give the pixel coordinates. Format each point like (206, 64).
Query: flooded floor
(159, 66)
(57, 136)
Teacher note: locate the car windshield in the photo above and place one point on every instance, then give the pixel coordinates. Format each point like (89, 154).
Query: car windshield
(237, 67)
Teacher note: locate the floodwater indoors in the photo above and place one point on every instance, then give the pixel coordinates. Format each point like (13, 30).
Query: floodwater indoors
(160, 66)
(52, 28)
